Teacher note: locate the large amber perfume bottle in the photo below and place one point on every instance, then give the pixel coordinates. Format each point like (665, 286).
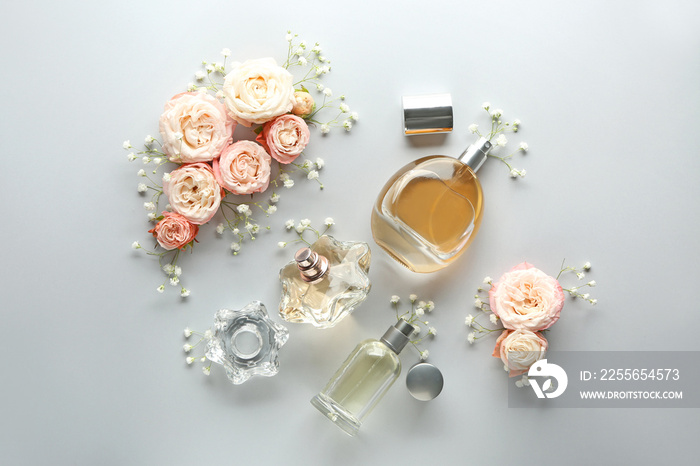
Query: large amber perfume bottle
(428, 213)
(363, 379)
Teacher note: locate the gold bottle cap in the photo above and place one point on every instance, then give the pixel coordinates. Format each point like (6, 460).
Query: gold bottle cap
(312, 266)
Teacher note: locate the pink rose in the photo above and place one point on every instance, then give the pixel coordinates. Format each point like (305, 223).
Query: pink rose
(174, 231)
(526, 298)
(193, 192)
(520, 349)
(243, 168)
(285, 137)
(195, 128)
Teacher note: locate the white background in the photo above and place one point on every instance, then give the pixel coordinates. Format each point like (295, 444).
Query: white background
(93, 368)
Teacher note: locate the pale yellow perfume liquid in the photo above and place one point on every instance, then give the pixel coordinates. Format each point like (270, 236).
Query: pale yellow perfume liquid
(428, 213)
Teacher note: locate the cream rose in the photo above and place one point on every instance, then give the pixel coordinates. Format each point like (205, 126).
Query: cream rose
(193, 192)
(303, 103)
(195, 128)
(256, 91)
(526, 298)
(285, 137)
(174, 231)
(243, 168)
(520, 349)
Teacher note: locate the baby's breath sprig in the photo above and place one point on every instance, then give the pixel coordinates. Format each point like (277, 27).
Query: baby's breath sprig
(416, 317)
(581, 273)
(167, 260)
(299, 54)
(302, 227)
(498, 138)
(188, 347)
(481, 303)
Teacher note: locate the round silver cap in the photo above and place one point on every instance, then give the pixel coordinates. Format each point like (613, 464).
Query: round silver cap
(427, 114)
(424, 381)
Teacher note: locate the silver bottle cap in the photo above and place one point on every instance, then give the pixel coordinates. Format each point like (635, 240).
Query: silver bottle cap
(398, 335)
(312, 266)
(427, 114)
(476, 154)
(424, 381)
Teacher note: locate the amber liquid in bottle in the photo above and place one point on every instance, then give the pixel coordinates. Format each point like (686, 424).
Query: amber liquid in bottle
(428, 213)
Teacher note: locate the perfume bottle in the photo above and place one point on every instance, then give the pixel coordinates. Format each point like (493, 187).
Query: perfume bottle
(326, 282)
(428, 213)
(363, 379)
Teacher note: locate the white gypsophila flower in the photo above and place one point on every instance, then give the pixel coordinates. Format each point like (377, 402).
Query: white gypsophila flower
(271, 210)
(275, 198)
(347, 124)
(289, 224)
(209, 67)
(486, 105)
(149, 206)
(305, 221)
(424, 355)
(136, 245)
(501, 140)
(413, 297)
(587, 266)
(249, 226)
(354, 116)
(498, 112)
(174, 281)
(469, 320)
(523, 146)
(289, 37)
(420, 312)
(235, 247)
(157, 160)
(299, 52)
(187, 332)
(284, 176)
(416, 329)
(593, 301)
(146, 160)
(473, 128)
(206, 370)
(328, 92)
(312, 175)
(166, 176)
(319, 87)
(432, 331)
(478, 303)
(168, 268)
(519, 383)
(189, 360)
(142, 188)
(141, 172)
(516, 122)
(187, 347)
(208, 334)
(184, 292)
(493, 318)
(199, 75)
(580, 275)
(471, 337)
(131, 156)
(585, 295)
(302, 61)
(281, 244)
(514, 173)
(325, 69)
(243, 209)
(226, 52)
(219, 66)
(592, 283)
(522, 173)
(421, 304)
(325, 128)
(344, 108)
(488, 280)
(320, 163)
(236, 231)
(177, 270)
(329, 221)
(429, 306)
(220, 229)
(191, 87)
(394, 299)
(288, 183)
(302, 44)
(127, 145)
(316, 49)
(300, 228)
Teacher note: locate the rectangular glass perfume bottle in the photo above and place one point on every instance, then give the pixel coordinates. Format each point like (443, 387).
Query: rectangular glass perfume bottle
(428, 213)
(363, 379)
